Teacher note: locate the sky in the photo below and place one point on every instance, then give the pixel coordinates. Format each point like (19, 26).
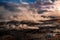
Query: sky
(29, 0)
(17, 1)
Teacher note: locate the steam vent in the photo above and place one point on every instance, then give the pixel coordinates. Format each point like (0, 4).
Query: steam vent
(29, 19)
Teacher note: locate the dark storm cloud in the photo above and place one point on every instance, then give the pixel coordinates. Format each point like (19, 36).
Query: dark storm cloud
(8, 9)
(9, 6)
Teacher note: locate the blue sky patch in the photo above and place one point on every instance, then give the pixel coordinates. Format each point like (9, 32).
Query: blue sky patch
(17, 1)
